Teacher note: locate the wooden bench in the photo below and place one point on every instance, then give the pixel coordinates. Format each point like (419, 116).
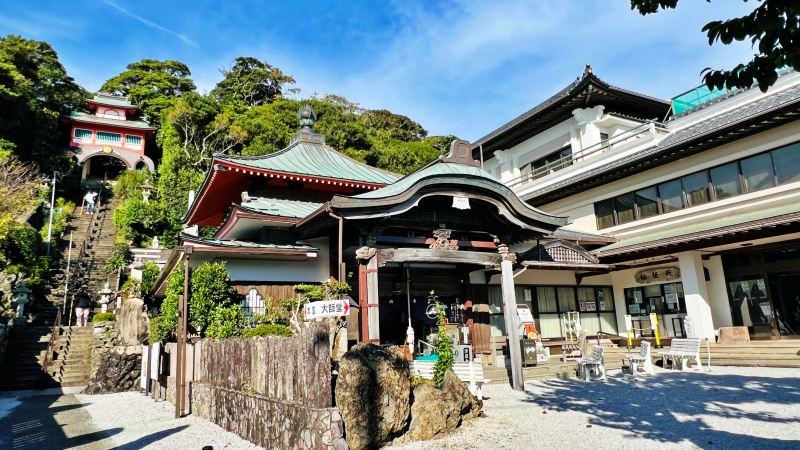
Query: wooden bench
(643, 357)
(471, 375)
(595, 363)
(682, 350)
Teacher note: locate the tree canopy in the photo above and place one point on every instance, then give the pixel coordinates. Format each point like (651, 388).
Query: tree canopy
(773, 28)
(35, 91)
(153, 85)
(252, 82)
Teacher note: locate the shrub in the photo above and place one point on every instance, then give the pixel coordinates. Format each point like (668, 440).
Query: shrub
(63, 211)
(22, 246)
(150, 273)
(444, 344)
(209, 291)
(226, 321)
(158, 330)
(121, 256)
(131, 288)
(268, 330)
(104, 317)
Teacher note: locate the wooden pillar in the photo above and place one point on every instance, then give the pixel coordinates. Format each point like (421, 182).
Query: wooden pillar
(183, 321)
(363, 324)
(510, 313)
(373, 314)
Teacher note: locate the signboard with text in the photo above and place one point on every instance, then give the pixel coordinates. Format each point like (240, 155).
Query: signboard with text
(326, 308)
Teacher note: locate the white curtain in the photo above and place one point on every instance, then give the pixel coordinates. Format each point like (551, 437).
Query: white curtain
(546, 298)
(591, 323)
(608, 323)
(566, 299)
(550, 325)
(496, 317)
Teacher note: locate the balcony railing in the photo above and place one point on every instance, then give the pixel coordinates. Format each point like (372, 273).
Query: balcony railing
(649, 127)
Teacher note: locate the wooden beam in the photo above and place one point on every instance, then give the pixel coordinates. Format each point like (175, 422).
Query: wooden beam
(436, 256)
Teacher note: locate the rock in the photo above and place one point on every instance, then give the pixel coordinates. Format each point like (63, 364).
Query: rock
(133, 323)
(373, 395)
(119, 371)
(435, 412)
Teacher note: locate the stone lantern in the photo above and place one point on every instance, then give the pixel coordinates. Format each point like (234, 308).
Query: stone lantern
(105, 297)
(22, 295)
(146, 189)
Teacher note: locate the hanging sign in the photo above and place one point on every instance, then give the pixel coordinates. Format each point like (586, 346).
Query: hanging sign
(326, 308)
(657, 275)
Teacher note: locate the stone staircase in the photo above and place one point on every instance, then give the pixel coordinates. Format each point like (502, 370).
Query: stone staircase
(70, 361)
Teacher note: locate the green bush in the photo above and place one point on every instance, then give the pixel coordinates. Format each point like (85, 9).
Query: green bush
(63, 211)
(150, 273)
(158, 331)
(120, 257)
(131, 288)
(104, 317)
(444, 345)
(22, 246)
(268, 330)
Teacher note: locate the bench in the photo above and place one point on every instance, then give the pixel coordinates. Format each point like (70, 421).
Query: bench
(595, 363)
(471, 373)
(643, 357)
(682, 350)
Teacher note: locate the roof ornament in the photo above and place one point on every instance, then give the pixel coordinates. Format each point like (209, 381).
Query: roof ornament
(461, 153)
(587, 70)
(307, 116)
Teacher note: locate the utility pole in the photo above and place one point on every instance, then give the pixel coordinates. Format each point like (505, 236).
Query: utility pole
(52, 209)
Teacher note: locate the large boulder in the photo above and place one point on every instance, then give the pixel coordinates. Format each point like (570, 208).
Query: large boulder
(373, 395)
(436, 412)
(119, 371)
(132, 323)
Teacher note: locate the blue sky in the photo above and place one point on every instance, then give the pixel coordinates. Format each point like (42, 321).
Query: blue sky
(456, 67)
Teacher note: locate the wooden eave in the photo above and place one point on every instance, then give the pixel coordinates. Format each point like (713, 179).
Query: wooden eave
(757, 229)
(658, 156)
(237, 212)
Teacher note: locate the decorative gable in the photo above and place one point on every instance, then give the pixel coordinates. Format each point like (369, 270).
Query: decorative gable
(558, 251)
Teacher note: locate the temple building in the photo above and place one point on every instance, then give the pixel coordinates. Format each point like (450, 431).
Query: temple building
(110, 137)
(307, 214)
(698, 197)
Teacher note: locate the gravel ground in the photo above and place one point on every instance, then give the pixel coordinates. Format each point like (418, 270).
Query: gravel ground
(139, 422)
(729, 407)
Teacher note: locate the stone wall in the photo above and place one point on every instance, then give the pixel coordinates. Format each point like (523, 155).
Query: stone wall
(273, 391)
(296, 369)
(267, 422)
(119, 370)
(105, 338)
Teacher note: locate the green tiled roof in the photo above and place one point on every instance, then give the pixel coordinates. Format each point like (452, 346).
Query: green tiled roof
(109, 100)
(738, 217)
(281, 207)
(430, 171)
(304, 158)
(91, 118)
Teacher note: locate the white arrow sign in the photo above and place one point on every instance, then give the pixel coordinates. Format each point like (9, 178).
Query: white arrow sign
(327, 308)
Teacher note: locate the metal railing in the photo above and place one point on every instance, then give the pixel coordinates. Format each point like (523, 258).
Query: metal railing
(52, 342)
(648, 127)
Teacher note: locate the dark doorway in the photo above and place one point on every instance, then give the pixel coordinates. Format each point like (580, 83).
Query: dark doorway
(786, 293)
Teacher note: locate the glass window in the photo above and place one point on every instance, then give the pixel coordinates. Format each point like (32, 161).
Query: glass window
(647, 202)
(696, 188)
(725, 180)
(586, 299)
(605, 299)
(787, 163)
(546, 299)
(135, 140)
(623, 205)
(671, 196)
(604, 212)
(110, 137)
(757, 172)
(83, 134)
(566, 299)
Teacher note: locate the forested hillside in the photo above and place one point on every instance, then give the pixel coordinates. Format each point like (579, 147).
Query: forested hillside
(252, 110)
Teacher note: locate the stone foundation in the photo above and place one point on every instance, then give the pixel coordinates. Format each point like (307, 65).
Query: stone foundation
(269, 423)
(105, 338)
(119, 370)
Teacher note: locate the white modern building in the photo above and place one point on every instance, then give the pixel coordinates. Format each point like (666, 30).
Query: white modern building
(693, 203)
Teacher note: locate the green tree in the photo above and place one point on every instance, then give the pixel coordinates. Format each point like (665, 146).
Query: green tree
(35, 91)
(212, 299)
(252, 82)
(19, 183)
(153, 85)
(773, 28)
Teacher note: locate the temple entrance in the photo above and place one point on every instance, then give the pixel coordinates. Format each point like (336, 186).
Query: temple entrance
(102, 168)
(404, 301)
(786, 292)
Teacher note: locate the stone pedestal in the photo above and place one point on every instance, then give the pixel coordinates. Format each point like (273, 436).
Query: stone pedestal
(733, 335)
